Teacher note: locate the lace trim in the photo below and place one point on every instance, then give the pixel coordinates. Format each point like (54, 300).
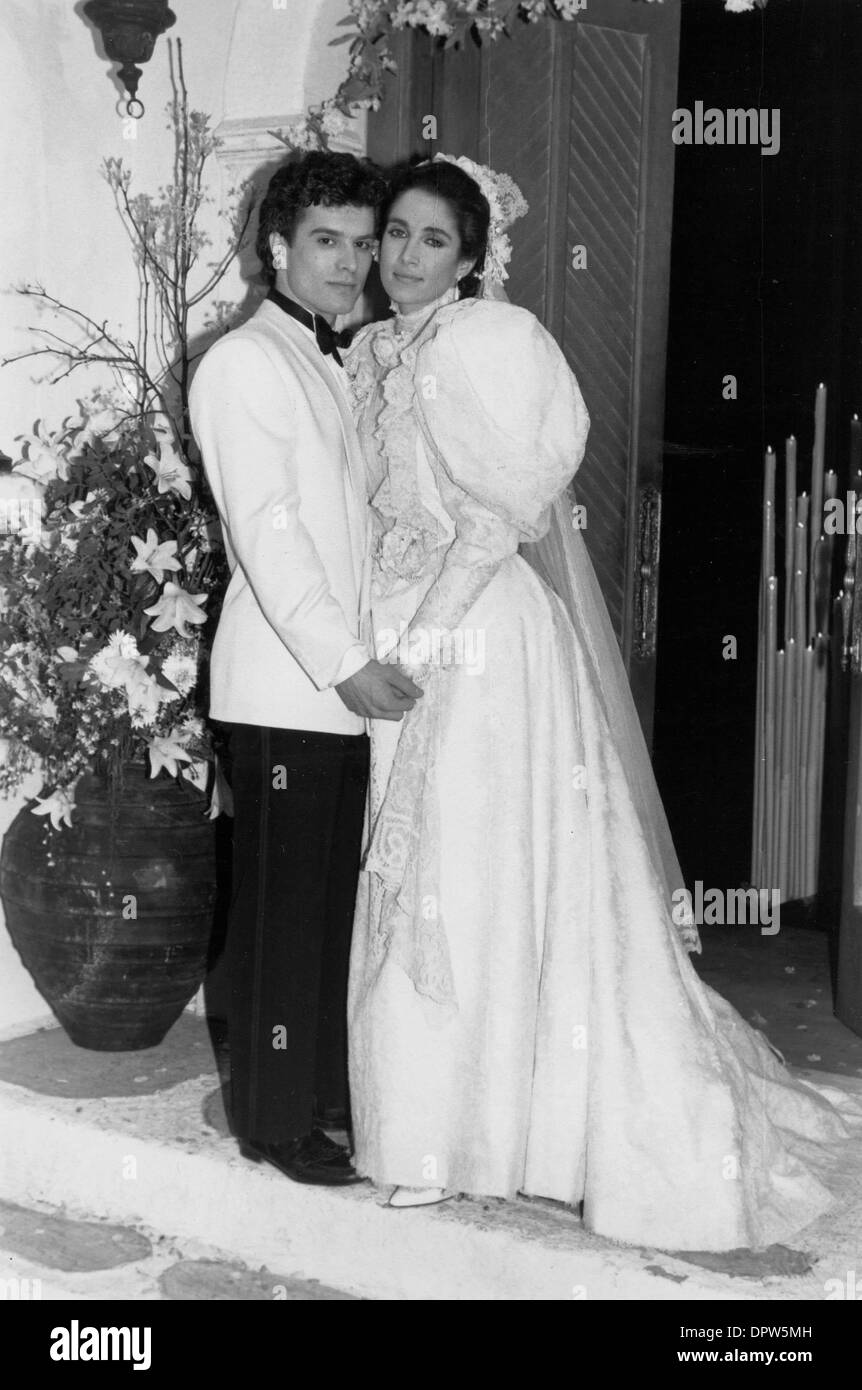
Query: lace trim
(404, 855)
(403, 852)
(383, 381)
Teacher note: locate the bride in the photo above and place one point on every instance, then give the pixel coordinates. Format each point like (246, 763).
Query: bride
(523, 1014)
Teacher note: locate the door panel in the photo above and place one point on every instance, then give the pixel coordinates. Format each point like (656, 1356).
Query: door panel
(601, 319)
(521, 88)
(579, 114)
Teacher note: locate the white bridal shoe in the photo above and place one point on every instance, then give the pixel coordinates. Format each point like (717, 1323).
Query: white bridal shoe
(418, 1196)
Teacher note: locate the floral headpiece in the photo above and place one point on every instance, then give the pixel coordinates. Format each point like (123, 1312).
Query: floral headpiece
(507, 204)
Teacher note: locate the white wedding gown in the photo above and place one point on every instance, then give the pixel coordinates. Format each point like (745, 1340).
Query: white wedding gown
(523, 1014)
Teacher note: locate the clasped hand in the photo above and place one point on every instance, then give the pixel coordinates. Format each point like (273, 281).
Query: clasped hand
(379, 691)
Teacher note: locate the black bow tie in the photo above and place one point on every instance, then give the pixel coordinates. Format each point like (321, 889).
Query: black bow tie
(327, 339)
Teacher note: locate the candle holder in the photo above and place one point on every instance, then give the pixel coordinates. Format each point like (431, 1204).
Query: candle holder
(129, 29)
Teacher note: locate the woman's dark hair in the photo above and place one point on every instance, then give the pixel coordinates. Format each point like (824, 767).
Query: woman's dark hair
(319, 177)
(467, 202)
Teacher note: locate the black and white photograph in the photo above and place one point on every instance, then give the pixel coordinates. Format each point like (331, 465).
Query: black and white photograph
(431, 667)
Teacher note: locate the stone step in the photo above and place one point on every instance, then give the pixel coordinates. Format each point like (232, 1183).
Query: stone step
(153, 1161)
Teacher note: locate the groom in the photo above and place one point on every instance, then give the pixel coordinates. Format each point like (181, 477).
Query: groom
(292, 673)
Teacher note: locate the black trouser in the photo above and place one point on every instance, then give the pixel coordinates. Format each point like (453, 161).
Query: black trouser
(299, 799)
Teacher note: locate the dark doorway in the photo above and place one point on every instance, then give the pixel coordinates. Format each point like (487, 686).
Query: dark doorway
(766, 284)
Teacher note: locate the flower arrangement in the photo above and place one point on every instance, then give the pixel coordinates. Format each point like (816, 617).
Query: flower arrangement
(103, 610)
(105, 602)
(373, 23)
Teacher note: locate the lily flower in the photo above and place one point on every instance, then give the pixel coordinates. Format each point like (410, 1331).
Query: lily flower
(222, 796)
(154, 557)
(59, 806)
(176, 609)
(146, 697)
(44, 461)
(172, 474)
(167, 752)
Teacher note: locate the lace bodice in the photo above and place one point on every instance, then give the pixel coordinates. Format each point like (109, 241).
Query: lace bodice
(410, 532)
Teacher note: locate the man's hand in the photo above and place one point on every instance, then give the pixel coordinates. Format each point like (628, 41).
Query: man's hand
(379, 692)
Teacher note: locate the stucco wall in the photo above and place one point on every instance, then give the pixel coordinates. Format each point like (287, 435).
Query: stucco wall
(60, 117)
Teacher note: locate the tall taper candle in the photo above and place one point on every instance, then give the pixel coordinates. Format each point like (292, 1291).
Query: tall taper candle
(768, 514)
(817, 464)
(770, 737)
(789, 532)
(800, 577)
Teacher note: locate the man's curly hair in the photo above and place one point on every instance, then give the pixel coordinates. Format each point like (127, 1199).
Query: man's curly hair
(320, 177)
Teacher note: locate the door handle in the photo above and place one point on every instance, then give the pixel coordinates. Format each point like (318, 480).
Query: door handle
(646, 586)
(851, 618)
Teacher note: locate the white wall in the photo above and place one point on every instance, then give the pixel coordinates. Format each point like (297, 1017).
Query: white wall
(59, 118)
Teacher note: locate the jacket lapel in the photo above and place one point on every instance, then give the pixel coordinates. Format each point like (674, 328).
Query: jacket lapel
(299, 342)
(302, 342)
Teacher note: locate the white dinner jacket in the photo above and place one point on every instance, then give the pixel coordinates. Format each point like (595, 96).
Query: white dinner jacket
(284, 463)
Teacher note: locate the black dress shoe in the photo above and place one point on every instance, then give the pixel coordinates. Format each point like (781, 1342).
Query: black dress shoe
(314, 1158)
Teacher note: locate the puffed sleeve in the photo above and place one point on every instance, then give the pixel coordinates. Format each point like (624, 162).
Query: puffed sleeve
(505, 426)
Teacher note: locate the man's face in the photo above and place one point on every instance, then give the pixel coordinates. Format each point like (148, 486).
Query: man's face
(329, 258)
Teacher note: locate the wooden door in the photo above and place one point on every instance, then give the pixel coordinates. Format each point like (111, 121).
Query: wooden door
(580, 114)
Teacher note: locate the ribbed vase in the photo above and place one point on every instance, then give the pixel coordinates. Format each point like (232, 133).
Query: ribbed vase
(113, 916)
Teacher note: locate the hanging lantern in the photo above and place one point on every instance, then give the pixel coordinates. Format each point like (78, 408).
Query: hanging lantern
(129, 30)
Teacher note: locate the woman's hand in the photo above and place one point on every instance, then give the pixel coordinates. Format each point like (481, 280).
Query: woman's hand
(379, 692)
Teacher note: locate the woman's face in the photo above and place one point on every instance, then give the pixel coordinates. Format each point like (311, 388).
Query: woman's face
(420, 250)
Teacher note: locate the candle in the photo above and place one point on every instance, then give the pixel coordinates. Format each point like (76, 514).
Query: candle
(774, 876)
(768, 558)
(855, 449)
(820, 582)
(769, 731)
(806, 828)
(789, 531)
(786, 864)
(819, 448)
(819, 736)
(816, 487)
(800, 607)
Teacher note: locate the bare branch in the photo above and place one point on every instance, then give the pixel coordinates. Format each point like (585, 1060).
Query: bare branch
(224, 264)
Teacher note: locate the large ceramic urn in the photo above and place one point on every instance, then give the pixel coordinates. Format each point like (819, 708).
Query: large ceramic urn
(113, 915)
